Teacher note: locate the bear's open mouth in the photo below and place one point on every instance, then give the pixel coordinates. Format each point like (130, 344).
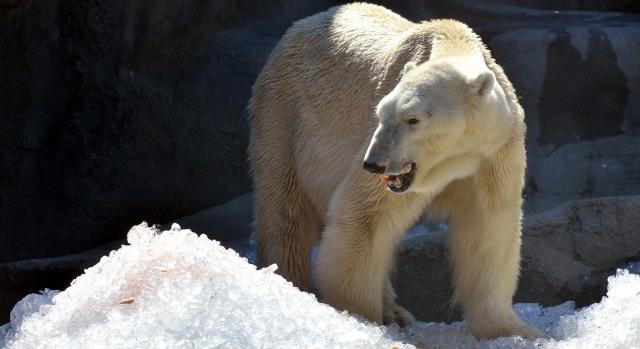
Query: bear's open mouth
(400, 182)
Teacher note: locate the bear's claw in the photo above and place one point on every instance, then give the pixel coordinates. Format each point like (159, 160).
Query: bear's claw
(397, 314)
(515, 329)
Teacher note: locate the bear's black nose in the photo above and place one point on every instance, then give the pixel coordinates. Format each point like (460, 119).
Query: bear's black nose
(373, 167)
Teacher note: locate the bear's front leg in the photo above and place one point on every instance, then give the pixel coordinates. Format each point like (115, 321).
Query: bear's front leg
(485, 251)
(364, 225)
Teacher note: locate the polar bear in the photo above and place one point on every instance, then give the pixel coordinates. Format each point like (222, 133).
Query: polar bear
(360, 121)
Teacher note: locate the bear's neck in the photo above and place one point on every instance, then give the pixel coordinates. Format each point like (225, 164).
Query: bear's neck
(470, 54)
(453, 38)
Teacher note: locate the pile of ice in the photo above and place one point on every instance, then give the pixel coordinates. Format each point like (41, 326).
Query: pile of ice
(178, 290)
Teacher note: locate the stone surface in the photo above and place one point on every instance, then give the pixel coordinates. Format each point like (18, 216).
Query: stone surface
(116, 111)
(229, 221)
(576, 75)
(113, 111)
(566, 171)
(605, 167)
(17, 279)
(567, 254)
(583, 5)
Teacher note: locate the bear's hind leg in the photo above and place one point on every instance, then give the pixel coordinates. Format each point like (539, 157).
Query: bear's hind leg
(393, 312)
(351, 272)
(286, 227)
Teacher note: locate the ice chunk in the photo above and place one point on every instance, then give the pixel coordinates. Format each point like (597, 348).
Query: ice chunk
(30, 304)
(176, 289)
(612, 323)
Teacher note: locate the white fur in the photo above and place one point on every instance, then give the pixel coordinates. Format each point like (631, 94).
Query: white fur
(339, 88)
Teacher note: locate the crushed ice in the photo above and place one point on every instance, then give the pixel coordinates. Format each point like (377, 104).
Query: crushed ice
(178, 290)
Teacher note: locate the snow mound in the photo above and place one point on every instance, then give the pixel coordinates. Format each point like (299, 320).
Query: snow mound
(178, 290)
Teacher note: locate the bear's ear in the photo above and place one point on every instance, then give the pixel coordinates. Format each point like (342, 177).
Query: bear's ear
(482, 84)
(408, 67)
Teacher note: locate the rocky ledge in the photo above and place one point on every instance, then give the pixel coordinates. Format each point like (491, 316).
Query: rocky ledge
(567, 253)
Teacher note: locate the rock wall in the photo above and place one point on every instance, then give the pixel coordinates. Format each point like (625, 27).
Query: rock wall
(580, 85)
(114, 111)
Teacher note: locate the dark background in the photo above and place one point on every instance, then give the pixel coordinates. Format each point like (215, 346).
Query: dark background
(117, 111)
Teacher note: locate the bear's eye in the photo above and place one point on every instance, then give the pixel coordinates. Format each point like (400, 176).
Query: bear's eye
(412, 121)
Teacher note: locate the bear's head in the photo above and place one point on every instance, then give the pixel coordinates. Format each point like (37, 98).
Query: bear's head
(437, 124)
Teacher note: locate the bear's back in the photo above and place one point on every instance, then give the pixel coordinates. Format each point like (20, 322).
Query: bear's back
(362, 31)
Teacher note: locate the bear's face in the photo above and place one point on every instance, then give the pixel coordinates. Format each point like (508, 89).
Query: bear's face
(437, 124)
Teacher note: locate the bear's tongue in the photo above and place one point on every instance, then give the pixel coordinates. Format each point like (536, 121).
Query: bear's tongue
(393, 180)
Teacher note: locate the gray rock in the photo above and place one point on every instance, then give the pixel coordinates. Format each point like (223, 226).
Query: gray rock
(575, 72)
(567, 253)
(119, 111)
(565, 171)
(230, 221)
(30, 276)
(605, 167)
(422, 277)
(582, 5)
(615, 169)
(599, 232)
